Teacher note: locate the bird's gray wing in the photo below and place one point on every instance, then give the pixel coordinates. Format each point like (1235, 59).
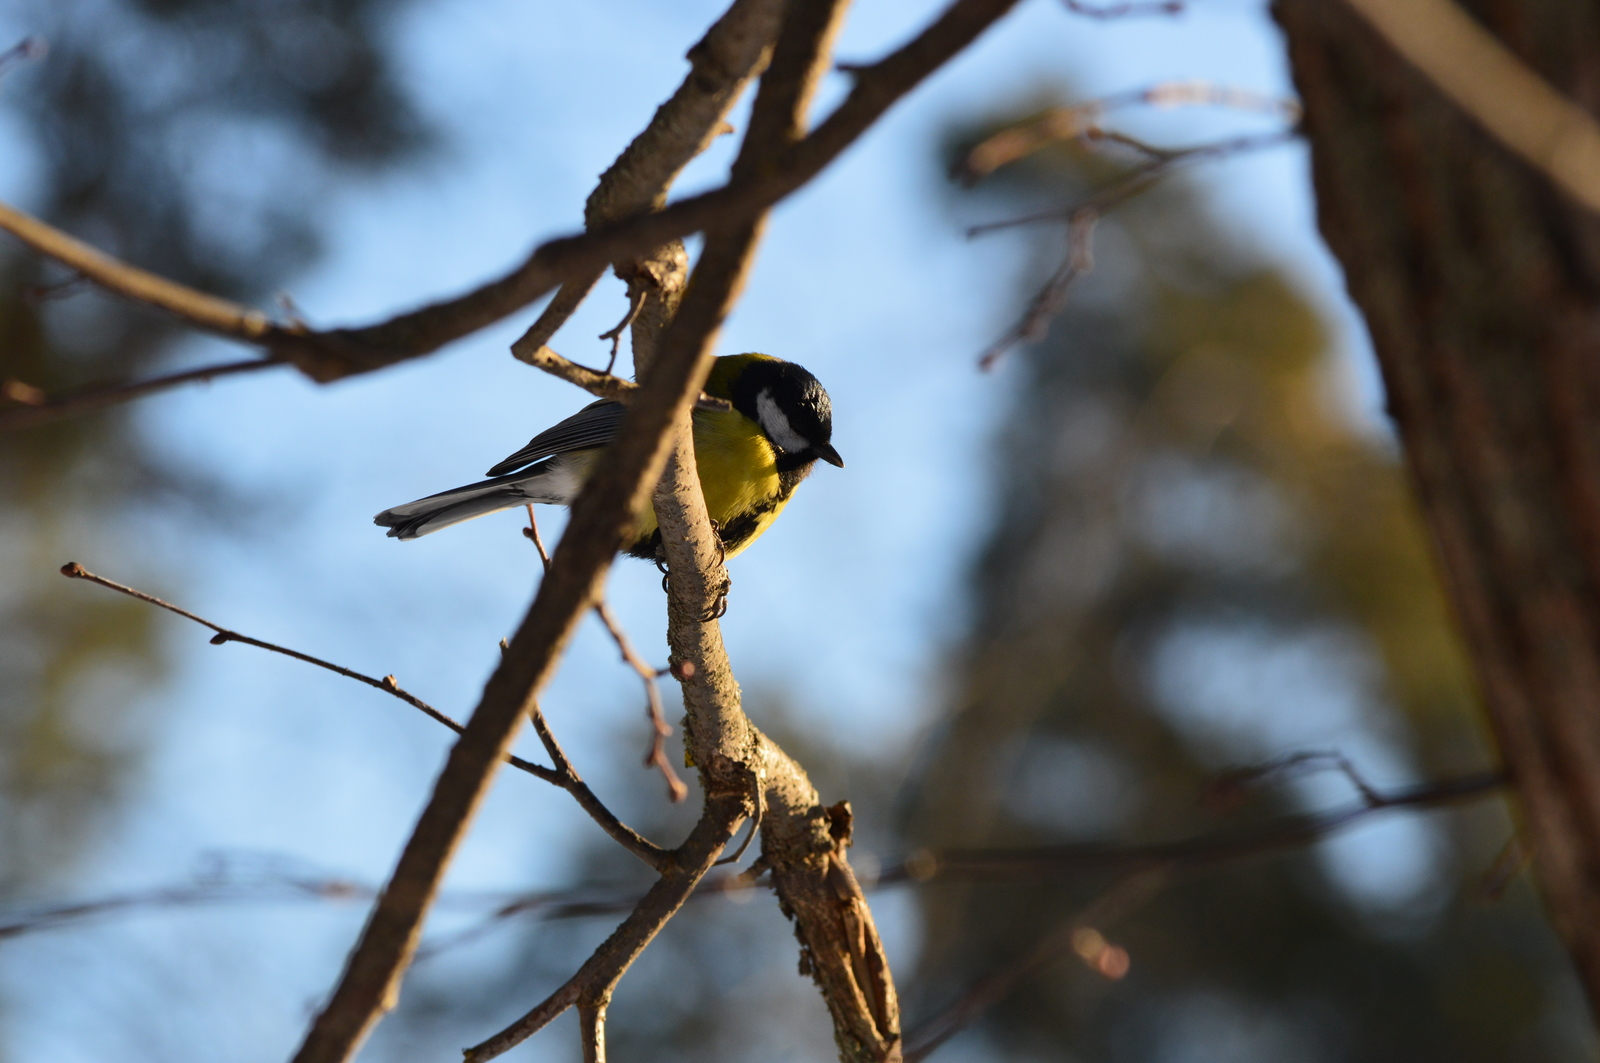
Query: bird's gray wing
(593, 426)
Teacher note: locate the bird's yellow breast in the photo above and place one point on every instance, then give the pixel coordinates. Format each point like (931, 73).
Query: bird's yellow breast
(739, 476)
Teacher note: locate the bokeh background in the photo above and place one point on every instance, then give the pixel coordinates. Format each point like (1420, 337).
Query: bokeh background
(1045, 604)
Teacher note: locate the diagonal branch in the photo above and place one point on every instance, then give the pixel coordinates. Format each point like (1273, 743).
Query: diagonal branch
(1080, 934)
(733, 51)
(35, 407)
(562, 775)
(330, 355)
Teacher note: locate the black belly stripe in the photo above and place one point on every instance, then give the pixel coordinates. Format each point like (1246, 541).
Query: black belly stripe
(742, 527)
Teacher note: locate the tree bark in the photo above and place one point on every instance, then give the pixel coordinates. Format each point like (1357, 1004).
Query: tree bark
(1481, 287)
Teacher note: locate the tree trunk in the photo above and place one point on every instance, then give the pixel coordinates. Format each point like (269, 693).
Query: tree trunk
(1481, 287)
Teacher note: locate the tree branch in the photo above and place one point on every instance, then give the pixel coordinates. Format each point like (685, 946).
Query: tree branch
(602, 517)
(597, 976)
(562, 775)
(1081, 219)
(35, 407)
(1080, 934)
(733, 51)
(332, 354)
(1059, 863)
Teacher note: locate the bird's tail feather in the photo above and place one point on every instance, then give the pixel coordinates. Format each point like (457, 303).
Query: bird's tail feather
(427, 515)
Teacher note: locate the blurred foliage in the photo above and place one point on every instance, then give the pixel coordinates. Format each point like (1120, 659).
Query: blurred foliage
(1201, 559)
(190, 137)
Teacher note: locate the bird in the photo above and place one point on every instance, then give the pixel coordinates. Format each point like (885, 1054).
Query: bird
(751, 458)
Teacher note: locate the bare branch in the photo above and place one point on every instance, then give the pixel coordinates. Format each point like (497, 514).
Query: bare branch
(731, 755)
(1083, 120)
(637, 844)
(600, 972)
(73, 570)
(38, 408)
(601, 385)
(25, 49)
(656, 757)
(923, 866)
(602, 517)
(1081, 934)
(733, 51)
(1189, 853)
(1082, 218)
(333, 354)
(203, 311)
(592, 1027)
(1125, 10)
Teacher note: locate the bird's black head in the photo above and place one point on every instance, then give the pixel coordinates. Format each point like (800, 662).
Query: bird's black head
(791, 407)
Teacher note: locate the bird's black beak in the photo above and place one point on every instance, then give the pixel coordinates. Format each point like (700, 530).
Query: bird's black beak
(829, 455)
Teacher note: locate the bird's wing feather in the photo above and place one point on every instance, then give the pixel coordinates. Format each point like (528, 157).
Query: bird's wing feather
(593, 426)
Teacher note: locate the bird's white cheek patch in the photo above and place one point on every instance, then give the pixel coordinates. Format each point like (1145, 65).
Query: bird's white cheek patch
(776, 425)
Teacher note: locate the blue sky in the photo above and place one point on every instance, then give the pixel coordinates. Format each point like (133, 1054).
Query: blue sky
(845, 607)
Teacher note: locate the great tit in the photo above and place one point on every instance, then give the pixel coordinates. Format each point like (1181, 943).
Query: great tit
(751, 458)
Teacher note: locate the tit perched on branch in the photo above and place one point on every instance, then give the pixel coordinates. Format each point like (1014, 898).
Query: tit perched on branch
(751, 457)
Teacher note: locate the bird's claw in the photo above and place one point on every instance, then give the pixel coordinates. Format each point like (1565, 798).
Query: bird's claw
(719, 605)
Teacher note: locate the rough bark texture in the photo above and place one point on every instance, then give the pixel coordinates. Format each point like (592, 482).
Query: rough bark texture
(1481, 288)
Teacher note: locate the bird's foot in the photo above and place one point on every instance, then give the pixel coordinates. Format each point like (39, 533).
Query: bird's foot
(719, 604)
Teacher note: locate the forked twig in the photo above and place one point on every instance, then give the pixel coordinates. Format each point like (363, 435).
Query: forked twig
(661, 730)
(1081, 219)
(657, 755)
(635, 304)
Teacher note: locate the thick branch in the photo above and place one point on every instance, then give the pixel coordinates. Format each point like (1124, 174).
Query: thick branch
(733, 51)
(337, 353)
(601, 519)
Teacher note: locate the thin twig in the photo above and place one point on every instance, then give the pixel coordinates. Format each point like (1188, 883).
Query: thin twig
(1083, 120)
(1081, 219)
(32, 47)
(656, 757)
(73, 570)
(562, 775)
(532, 532)
(1081, 934)
(38, 408)
(588, 901)
(635, 304)
(1224, 789)
(601, 385)
(1050, 861)
(658, 858)
(1132, 9)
